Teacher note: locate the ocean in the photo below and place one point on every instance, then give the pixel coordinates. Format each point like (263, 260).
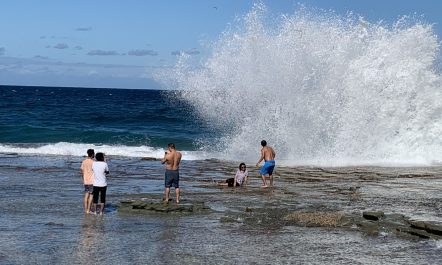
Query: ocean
(67, 121)
(45, 132)
(353, 111)
(140, 123)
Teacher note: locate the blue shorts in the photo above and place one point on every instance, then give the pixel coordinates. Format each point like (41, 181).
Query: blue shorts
(268, 167)
(172, 178)
(89, 188)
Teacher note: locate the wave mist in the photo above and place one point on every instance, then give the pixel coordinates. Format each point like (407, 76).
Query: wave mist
(322, 89)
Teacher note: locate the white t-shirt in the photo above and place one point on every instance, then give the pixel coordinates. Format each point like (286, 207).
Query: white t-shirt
(240, 176)
(99, 168)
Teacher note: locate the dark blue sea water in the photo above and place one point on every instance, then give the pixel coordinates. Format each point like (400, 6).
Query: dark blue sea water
(61, 120)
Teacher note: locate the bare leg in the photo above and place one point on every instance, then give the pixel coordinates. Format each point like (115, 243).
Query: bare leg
(89, 202)
(271, 180)
(264, 183)
(86, 202)
(167, 192)
(95, 208)
(101, 208)
(177, 193)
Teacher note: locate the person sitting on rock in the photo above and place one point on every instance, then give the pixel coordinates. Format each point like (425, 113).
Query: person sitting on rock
(239, 179)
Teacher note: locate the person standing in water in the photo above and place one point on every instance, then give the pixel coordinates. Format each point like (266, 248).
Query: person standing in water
(268, 155)
(172, 159)
(100, 169)
(88, 179)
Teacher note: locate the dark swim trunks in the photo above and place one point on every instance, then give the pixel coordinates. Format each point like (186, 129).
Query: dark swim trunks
(268, 167)
(88, 188)
(230, 182)
(172, 178)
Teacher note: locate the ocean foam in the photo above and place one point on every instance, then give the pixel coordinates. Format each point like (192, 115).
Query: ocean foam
(74, 149)
(321, 89)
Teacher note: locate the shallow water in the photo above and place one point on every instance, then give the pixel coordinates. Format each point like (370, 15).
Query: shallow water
(41, 219)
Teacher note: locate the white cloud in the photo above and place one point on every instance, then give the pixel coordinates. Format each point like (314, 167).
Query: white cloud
(41, 57)
(193, 51)
(35, 71)
(102, 53)
(92, 72)
(83, 29)
(142, 53)
(61, 46)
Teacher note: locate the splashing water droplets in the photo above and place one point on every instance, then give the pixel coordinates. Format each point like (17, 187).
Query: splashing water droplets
(321, 89)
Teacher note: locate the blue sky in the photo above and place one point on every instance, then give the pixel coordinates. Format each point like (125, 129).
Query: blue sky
(109, 43)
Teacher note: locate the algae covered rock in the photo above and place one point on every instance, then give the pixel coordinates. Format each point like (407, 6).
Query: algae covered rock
(373, 215)
(161, 207)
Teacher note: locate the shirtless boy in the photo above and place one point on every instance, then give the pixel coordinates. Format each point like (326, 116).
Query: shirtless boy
(268, 155)
(172, 159)
(88, 179)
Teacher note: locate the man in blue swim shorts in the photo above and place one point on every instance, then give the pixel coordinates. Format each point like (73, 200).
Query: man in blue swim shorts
(172, 159)
(172, 179)
(268, 155)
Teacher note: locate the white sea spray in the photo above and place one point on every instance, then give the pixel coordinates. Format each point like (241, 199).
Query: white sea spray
(321, 89)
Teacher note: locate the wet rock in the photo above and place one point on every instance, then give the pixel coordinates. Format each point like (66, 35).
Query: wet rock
(375, 216)
(432, 228)
(369, 227)
(417, 224)
(160, 207)
(227, 219)
(148, 158)
(54, 224)
(397, 224)
(435, 229)
(325, 219)
(414, 232)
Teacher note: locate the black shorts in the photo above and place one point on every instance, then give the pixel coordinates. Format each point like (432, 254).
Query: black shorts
(99, 191)
(230, 182)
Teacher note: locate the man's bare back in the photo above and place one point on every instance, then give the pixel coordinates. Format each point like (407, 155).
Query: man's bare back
(172, 159)
(268, 153)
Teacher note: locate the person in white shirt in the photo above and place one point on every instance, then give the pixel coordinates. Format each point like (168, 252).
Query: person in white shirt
(240, 177)
(100, 169)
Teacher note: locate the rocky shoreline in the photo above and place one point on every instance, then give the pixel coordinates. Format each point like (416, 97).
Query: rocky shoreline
(374, 223)
(375, 201)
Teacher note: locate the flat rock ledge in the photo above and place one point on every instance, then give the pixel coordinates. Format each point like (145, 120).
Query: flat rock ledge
(137, 206)
(374, 223)
(379, 223)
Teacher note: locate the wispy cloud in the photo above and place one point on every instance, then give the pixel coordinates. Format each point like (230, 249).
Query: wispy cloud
(102, 53)
(78, 48)
(193, 51)
(41, 57)
(2, 50)
(83, 29)
(61, 46)
(36, 71)
(142, 53)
